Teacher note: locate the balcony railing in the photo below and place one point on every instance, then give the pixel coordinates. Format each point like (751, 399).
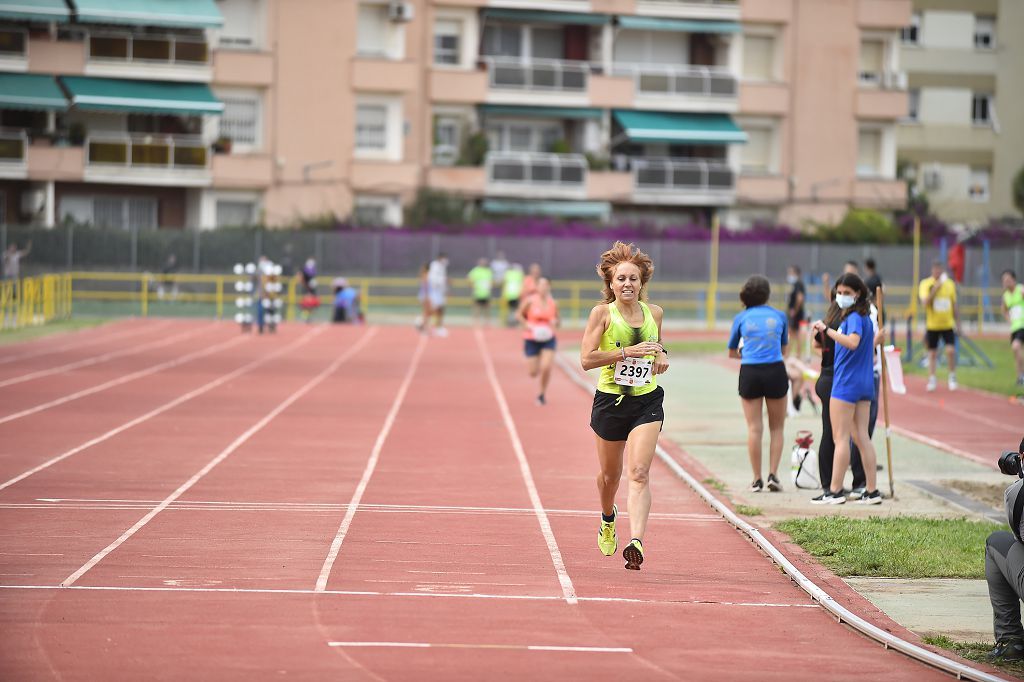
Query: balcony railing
(147, 151)
(143, 49)
(554, 75)
(887, 80)
(669, 79)
(12, 147)
(534, 168)
(656, 175)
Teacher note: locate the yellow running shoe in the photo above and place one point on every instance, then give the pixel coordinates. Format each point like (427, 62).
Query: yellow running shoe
(634, 554)
(607, 540)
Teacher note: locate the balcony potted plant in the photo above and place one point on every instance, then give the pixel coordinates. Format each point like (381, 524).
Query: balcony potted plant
(222, 145)
(474, 149)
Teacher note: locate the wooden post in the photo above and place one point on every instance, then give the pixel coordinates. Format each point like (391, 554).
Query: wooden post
(884, 380)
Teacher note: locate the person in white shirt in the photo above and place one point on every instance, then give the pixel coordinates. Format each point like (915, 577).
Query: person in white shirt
(499, 266)
(437, 292)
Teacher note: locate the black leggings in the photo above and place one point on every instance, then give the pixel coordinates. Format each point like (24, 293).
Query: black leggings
(827, 447)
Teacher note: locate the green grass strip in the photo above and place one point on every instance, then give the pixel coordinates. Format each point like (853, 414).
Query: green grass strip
(1002, 379)
(59, 327)
(976, 651)
(894, 547)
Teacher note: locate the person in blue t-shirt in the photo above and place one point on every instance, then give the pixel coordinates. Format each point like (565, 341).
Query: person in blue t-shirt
(853, 387)
(765, 335)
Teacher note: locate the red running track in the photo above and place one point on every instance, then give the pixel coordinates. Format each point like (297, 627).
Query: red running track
(359, 507)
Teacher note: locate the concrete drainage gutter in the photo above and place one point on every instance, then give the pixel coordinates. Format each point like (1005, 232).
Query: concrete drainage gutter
(841, 613)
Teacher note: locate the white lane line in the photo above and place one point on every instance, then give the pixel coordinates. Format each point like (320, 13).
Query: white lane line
(511, 647)
(154, 413)
(371, 464)
(193, 505)
(568, 590)
(114, 328)
(235, 444)
(97, 359)
(209, 386)
(124, 379)
(445, 595)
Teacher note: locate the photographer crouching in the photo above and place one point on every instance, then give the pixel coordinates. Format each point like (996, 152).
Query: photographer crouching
(1004, 566)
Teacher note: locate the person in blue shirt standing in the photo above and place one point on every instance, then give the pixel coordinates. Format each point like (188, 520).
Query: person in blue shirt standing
(765, 335)
(853, 387)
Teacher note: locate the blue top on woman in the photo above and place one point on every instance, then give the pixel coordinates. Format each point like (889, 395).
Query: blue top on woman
(854, 378)
(764, 331)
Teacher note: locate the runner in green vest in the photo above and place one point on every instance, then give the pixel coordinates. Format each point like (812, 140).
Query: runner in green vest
(511, 291)
(1013, 309)
(480, 279)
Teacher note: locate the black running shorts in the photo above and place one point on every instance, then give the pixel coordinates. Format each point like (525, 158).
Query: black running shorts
(613, 419)
(931, 338)
(764, 380)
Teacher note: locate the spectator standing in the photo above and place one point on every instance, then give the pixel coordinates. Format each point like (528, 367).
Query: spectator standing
(437, 292)
(796, 312)
(481, 279)
(763, 379)
(512, 292)
(1013, 309)
(499, 266)
(12, 260)
(942, 321)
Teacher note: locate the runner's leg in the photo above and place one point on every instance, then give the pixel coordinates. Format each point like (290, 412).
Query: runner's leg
(609, 457)
(755, 433)
(640, 453)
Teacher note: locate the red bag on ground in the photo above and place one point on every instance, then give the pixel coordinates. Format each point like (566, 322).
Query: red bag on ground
(309, 302)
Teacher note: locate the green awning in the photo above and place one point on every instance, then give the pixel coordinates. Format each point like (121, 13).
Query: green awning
(678, 25)
(539, 112)
(149, 97)
(529, 16)
(35, 10)
(175, 13)
(29, 91)
(562, 209)
(676, 128)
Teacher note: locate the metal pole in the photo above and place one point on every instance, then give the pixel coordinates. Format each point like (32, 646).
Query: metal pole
(134, 259)
(712, 293)
(71, 246)
(917, 269)
(196, 250)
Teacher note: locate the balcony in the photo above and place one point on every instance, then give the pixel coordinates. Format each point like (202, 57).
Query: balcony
(682, 88)
(13, 48)
(13, 146)
(140, 55)
(147, 159)
(688, 182)
(884, 80)
(722, 10)
(536, 174)
(546, 75)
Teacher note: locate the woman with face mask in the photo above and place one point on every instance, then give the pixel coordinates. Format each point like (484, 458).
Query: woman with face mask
(853, 387)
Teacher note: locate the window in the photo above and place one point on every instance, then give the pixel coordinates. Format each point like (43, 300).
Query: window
(446, 41)
(502, 41)
(756, 154)
(372, 33)
(241, 23)
(447, 134)
(377, 210)
(977, 184)
(984, 32)
(759, 57)
(119, 212)
(872, 60)
(371, 126)
(523, 137)
(981, 109)
(911, 35)
(869, 152)
(241, 119)
(914, 104)
(13, 42)
(232, 213)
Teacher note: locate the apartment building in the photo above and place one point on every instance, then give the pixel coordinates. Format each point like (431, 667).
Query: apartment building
(225, 112)
(962, 141)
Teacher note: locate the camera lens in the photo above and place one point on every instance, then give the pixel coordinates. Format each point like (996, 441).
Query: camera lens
(1009, 463)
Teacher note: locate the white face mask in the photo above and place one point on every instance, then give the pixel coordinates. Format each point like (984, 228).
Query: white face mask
(792, 279)
(845, 301)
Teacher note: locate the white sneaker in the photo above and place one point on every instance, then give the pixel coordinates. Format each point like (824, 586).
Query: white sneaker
(441, 331)
(932, 383)
(952, 382)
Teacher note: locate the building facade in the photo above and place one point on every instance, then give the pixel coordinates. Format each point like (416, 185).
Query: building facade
(235, 112)
(962, 141)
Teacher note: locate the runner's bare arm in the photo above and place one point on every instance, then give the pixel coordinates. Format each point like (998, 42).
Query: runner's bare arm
(661, 358)
(590, 356)
(848, 341)
(521, 312)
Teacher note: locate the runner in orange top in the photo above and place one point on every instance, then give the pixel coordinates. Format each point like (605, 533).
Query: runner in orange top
(533, 275)
(539, 315)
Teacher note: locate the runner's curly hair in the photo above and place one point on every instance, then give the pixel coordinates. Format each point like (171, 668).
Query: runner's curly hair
(624, 253)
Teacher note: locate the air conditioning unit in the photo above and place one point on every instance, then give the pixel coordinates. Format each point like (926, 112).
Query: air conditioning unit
(33, 201)
(400, 11)
(931, 178)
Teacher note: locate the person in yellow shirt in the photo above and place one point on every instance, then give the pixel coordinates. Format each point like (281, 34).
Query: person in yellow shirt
(942, 320)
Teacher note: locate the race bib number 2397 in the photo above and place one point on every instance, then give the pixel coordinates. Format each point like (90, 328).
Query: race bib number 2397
(633, 371)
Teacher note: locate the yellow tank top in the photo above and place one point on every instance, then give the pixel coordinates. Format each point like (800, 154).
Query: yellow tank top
(620, 331)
